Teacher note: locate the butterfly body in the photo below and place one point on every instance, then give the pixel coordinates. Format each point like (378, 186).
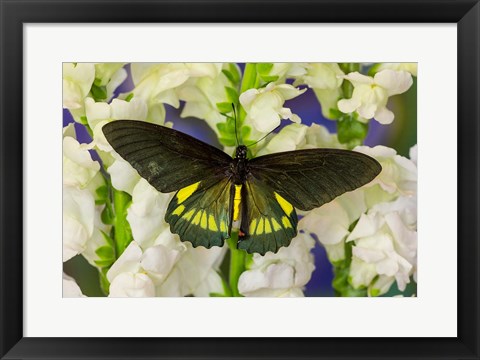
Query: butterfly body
(239, 166)
(214, 190)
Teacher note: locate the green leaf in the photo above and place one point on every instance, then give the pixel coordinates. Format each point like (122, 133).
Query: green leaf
(228, 141)
(235, 72)
(264, 68)
(229, 76)
(129, 97)
(350, 131)
(374, 69)
(102, 192)
(99, 92)
(224, 107)
(108, 239)
(341, 281)
(104, 263)
(335, 113)
(245, 132)
(104, 283)
(269, 79)
(107, 215)
(232, 95)
(84, 120)
(105, 252)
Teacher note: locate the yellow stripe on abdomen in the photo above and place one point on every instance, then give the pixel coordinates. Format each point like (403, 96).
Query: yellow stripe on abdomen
(236, 202)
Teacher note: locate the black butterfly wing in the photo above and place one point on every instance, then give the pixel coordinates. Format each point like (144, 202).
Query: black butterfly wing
(303, 179)
(168, 159)
(268, 220)
(312, 177)
(201, 213)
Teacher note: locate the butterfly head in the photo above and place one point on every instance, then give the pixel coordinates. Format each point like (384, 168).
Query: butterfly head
(241, 152)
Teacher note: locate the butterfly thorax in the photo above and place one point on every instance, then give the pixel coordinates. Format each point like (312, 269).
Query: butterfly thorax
(239, 165)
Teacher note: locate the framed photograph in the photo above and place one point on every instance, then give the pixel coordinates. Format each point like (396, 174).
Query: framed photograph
(248, 180)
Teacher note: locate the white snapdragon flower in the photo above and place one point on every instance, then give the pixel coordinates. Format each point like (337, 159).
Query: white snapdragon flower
(398, 175)
(81, 177)
(123, 176)
(287, 139)
(331, 222)
(110, 75)
(157, 84)
(164, 270)
(77, 82)
(282, 71)
(318, 136)
(129, 284)
(326, 80)
(127, 276)
(146, 213)
(78, 167)
(283, 274)
(385, 248)
(264, 107)
(412, 68)
(298, 136)
(201, 95)
(370, 95)
(78, 220)
(210, 70)
(70, 288)
(196, 273)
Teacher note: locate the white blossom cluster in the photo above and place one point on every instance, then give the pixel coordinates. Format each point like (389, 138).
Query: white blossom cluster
(378, 221)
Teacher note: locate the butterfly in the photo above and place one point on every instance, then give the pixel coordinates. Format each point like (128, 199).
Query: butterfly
(214, 190)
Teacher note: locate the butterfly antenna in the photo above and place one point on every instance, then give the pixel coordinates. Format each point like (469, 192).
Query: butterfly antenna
(235, 122)
(264, 136)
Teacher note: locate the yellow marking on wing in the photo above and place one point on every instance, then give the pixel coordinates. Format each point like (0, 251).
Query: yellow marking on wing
(260, 227)
(212, 225)
(186, 192)
(179, 210)
(253, 225)
(223, 226)
(236, 202)
(286, 206)
(276, 225)
(286, 223)
(187, 216)
(196, 219)
(268, 227)
(203, 222)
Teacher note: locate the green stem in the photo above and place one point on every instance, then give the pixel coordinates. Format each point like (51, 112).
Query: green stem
(249, 77)
(250, 80)
(347, 86)
(123, 233)
(237, 263)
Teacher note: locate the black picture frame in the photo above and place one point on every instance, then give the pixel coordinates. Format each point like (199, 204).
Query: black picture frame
(15, 13)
